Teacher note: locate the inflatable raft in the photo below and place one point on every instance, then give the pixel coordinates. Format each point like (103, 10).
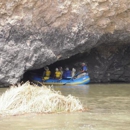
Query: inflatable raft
(78, 80)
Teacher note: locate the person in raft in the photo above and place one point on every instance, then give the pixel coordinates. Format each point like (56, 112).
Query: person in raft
(67, 74)
(84, 68)
(61, 70)
(46, 74)
(73, 72)
(57, 74)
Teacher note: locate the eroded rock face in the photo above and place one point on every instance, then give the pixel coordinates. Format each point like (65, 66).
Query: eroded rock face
(109, 62)
(35, 33)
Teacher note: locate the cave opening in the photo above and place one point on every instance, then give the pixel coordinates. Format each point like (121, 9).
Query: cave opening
(72, 62)
(105, 63)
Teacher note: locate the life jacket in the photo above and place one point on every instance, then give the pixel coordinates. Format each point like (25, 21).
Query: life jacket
(57, 74)
(67, 74)
(47, 75)
(46, 78)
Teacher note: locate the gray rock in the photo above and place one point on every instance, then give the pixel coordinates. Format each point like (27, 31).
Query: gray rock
(34, 34)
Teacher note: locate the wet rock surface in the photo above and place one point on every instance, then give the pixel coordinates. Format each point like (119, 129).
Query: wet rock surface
(38, 33)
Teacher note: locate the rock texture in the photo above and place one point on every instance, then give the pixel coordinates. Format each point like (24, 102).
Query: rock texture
(35, 33)
(106, 63)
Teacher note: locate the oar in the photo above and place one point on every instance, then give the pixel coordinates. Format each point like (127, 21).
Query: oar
(72, 78)
(66, 82)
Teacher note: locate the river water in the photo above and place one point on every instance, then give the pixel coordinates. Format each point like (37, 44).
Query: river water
(108, 108)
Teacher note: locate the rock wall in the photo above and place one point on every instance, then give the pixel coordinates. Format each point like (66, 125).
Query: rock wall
(35, 33)
(107, 63)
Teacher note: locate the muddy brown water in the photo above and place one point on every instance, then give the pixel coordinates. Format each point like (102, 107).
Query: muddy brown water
(108, 109)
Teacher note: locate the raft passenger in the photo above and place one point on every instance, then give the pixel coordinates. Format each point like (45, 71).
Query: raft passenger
(73, 72)
(47, 74)
(84, 68)
(57, 74)
(61, 70)
(67, 74)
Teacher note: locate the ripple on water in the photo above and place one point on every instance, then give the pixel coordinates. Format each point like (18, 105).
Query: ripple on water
(108, 109)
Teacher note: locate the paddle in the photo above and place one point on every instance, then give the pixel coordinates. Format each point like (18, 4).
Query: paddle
(72, 78)
(67, 82)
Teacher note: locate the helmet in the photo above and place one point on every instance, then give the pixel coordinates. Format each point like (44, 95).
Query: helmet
(73, 69)
(60, 68)
(56, 69)
(46, 68)
(83, 63)
(67, 68)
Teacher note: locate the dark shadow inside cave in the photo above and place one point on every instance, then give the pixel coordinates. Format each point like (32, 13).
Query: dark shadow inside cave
(106, 64)
(72, 62)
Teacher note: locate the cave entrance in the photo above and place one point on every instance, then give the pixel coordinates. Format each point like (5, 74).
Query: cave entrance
(106, 64)
(72, 62)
